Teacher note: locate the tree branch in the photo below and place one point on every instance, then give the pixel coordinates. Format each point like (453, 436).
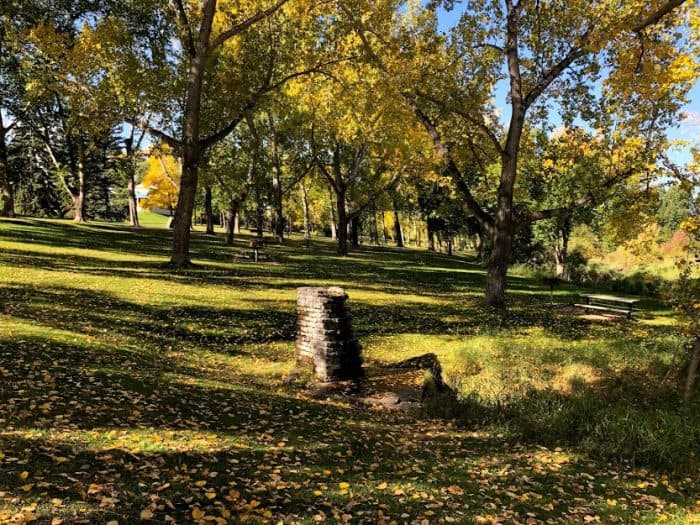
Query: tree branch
(170, 141)
(296, 179)
(316, 160)
(580, 50)
(588, 199)
(267, 87)
(554, 71)
(655, 17)
(245, 24)
(208, 13)
(486, 221)
(166, 172)
(492, 46)
(185, 26)
(357, 162)
(387, 187)
(479, 123)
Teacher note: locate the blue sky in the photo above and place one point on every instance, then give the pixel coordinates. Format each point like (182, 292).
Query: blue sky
(688, 129)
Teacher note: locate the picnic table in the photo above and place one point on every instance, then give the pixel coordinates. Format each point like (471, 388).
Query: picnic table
(608, 303)
(256, 245)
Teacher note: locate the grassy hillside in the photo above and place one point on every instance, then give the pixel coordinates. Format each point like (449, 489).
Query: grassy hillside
(129, 392)
(148, 219)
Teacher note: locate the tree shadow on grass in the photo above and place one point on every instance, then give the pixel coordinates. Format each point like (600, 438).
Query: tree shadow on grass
(145, 326)
(419, 272)
(185, 446)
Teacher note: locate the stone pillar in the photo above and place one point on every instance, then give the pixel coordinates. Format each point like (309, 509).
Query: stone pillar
(325, 338)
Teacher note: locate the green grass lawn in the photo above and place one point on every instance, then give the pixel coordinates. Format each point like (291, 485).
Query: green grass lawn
(149, 219)
(132, 393)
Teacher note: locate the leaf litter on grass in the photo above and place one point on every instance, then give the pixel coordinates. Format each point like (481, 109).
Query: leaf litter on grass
(120, 406)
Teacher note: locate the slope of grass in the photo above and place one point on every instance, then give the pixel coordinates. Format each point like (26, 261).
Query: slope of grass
(129, 392)
(149, 219)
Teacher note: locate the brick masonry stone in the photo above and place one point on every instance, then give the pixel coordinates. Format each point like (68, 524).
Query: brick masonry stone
(325, 338)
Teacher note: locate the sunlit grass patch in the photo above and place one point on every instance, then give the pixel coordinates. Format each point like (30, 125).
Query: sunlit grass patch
(134, 440)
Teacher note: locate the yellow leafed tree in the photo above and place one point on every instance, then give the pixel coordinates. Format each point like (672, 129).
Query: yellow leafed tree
(162, 180)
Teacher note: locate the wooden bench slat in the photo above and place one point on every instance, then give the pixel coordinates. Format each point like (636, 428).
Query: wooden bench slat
(605, 308)
(610, 298)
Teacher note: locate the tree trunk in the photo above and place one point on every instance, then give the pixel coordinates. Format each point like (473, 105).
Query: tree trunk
(373, 232)
(277, 211)
(561, 246)
(79, 197)
(182, 221)
(355, 231)
(8, 199)
(342, 231)
(385, 234)
(133, 204)
(305, 208)
(259, 216)
(431, 235)
(559, 261)
(191, 147)
(231, 215)
(208, 212)
(498, 266)
(693, 370)
(237, 223)
(8, 195)
(398, 234)
(131, 182)
(334, 233)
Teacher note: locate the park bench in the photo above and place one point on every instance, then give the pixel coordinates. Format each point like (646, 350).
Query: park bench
(608, 303)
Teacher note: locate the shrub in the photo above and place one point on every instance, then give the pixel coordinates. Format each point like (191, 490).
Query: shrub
(597, 275)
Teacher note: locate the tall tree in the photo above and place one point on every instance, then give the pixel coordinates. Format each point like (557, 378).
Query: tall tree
(622, 69)
(233, 164)
(69, 105)
(227, 60)
(161, 179)
(360, 140)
